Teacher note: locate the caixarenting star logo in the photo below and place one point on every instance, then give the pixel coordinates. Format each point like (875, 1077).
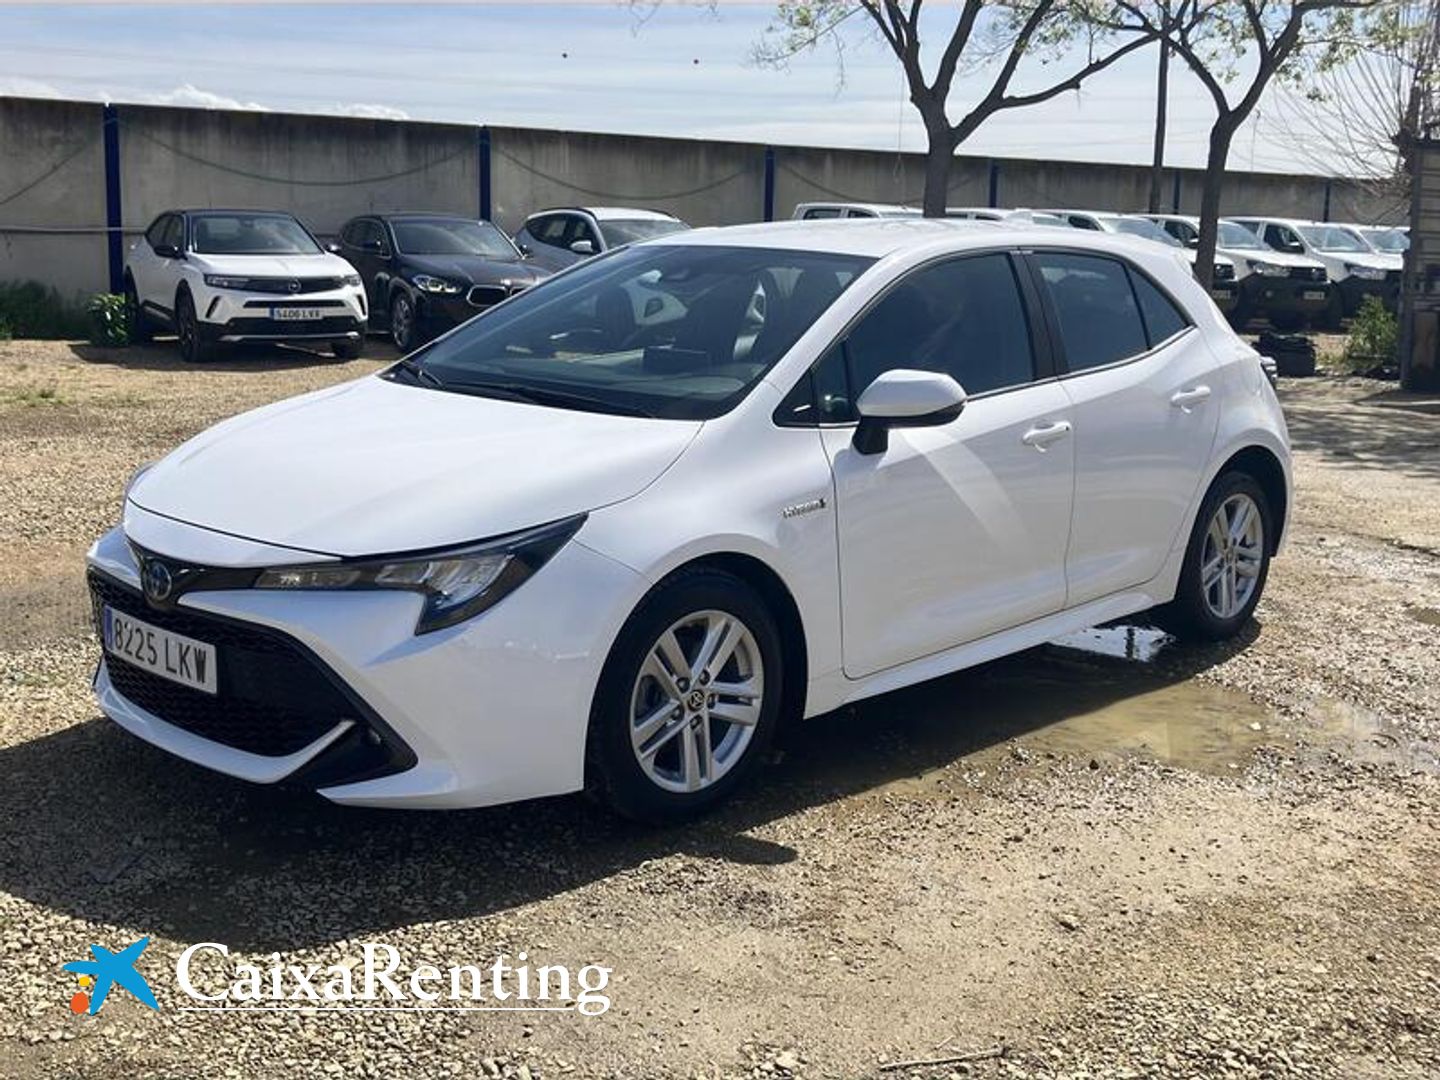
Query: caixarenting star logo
(97, 976)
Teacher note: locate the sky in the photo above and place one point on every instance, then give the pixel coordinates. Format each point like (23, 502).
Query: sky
(677, 68)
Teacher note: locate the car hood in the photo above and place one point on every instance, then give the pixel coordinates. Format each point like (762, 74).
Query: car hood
(322, 264)
(1275, 258)
(373, 467)
(475, 269)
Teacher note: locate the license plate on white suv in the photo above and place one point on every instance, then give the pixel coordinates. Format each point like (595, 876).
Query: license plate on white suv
(296, 314)
(171, 656)
(1313, 294)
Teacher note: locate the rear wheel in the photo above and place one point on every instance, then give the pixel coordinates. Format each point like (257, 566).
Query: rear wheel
(688, 700)
(140, 329)
(193, 347)
(1226, 562)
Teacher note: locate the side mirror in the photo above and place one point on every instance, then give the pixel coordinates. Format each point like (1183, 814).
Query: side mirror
(583, 247)
(168, 251)
(333, 248)
(905, 398)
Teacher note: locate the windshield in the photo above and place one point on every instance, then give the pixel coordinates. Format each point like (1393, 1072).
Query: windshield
(452, 236)
(1390, 241)
(1237, 236)
(632, 230)
(251, 234)
(1146, 228)
(1332, 238)
(680, 332)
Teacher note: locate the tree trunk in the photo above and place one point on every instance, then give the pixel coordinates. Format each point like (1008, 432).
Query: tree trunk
(939, 156)
(1162, 93)
(1220, 136)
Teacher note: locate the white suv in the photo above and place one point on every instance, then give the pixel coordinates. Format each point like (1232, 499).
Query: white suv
(221, 277)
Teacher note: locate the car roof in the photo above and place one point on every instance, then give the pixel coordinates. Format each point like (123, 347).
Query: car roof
(878, 237)
(609, 213)
(231, 210)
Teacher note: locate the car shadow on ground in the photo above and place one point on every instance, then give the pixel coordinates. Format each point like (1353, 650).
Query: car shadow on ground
(109, 829)
(163, 355)
(1390, 429)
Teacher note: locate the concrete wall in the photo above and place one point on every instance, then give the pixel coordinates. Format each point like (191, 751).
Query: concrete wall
(326, 169)
(52, 177)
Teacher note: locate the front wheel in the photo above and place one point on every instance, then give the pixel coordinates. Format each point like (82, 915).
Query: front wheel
(688, 700)
(193, 347)
(1226, 562)
(402, 322)
(140, 329)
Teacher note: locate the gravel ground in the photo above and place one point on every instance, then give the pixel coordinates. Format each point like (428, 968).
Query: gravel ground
(1108, 857)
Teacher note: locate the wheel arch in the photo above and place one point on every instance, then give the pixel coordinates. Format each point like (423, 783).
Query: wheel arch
(1261, 463)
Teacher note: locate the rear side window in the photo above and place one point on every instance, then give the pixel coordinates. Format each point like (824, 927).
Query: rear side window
(1163, 320)
(1099, 318)
(817, 212)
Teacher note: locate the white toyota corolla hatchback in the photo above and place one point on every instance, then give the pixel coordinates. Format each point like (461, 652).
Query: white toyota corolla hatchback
(612, 532)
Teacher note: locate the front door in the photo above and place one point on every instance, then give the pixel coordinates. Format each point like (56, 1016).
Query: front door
(958, 531)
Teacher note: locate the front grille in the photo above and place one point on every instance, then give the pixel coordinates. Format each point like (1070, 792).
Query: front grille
(1307, 273)
(490, 295)
(266, 305)
(293, 286)
(1224, 272)
(274, 697)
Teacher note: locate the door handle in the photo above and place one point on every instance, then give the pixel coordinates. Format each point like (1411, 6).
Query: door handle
(1183, 399)
(1042, 435)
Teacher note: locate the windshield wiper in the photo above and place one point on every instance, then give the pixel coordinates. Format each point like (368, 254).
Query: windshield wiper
(421, 374)
(537, 395)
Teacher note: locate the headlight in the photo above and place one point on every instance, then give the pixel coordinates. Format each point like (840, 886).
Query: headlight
(225, 281)
(1365, 273)
(457, 584)
(351, 279)
(426, 283)
(1265, 269)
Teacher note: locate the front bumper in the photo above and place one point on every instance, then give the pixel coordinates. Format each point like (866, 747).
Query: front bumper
(1265, 296)
(493, 710)
(228, 317)
(438, 312)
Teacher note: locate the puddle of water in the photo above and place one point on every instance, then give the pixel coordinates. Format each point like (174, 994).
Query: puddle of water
(1142, 643)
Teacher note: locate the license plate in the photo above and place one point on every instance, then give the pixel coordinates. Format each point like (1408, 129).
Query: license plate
(296, 314)
(171, 656)
(1222, 294)
(1313, 294)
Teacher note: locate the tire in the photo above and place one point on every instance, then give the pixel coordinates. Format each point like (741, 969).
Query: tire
(193, 348)
(402, 322)
(1204, 612)
(672, 785)
(140, 329)
(347, 350)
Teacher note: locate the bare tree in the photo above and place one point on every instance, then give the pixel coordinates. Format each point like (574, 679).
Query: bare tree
(1215, 38)
(990, 37)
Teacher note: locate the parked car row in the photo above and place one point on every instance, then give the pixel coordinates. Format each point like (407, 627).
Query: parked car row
(222, 277)
(1290, 272)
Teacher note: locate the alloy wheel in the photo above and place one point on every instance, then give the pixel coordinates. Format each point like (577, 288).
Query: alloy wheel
(186, 329)
(402, 322)
(1232, 557)
(697, 701)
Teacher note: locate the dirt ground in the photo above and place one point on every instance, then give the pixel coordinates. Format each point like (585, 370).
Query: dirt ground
(1108, 857)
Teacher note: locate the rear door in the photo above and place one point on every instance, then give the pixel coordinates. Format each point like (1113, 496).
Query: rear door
(1141, 383)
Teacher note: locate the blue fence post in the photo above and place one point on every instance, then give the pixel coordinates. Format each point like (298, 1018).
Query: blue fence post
(769, 183)
(1326, 215)
(115, 239)
(1175, 194)
(994, 183)
(483, 148)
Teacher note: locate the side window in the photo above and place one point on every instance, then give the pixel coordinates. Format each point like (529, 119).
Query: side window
(347, 233)
(581, 229)
(1163, 320)
(1077, 221)
(822, 396)
(156, 233)
(963, 317)
(549, 230)
(1099, 319)
(859, 213)
(174, 233)
(817, 212)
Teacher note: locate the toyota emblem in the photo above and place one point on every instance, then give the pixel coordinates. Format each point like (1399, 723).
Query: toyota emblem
(157, 580)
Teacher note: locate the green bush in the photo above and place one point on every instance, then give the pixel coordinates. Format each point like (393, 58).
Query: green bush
(1374, 337)
(29, 309)
(109, 320)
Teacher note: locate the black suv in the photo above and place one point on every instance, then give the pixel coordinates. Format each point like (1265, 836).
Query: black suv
(425, 273)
